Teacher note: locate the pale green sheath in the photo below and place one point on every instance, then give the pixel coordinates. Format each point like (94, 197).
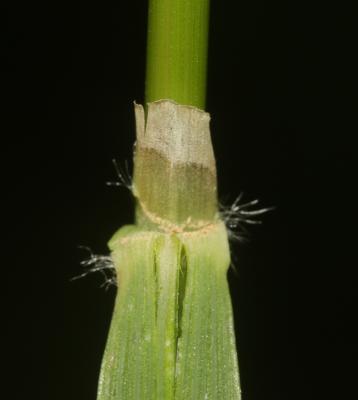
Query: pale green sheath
(172, 335)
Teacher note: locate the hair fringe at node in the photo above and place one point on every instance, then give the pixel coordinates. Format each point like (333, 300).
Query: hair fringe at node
(124, 177)
(238, 215)
(98, 263)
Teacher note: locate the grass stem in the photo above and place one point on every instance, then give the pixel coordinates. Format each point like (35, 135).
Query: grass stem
(177, 51)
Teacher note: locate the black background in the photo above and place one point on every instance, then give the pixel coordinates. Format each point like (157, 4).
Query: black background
(283, 105)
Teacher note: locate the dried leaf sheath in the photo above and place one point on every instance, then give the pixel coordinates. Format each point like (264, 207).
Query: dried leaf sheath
(172, 333)
(175, 172)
